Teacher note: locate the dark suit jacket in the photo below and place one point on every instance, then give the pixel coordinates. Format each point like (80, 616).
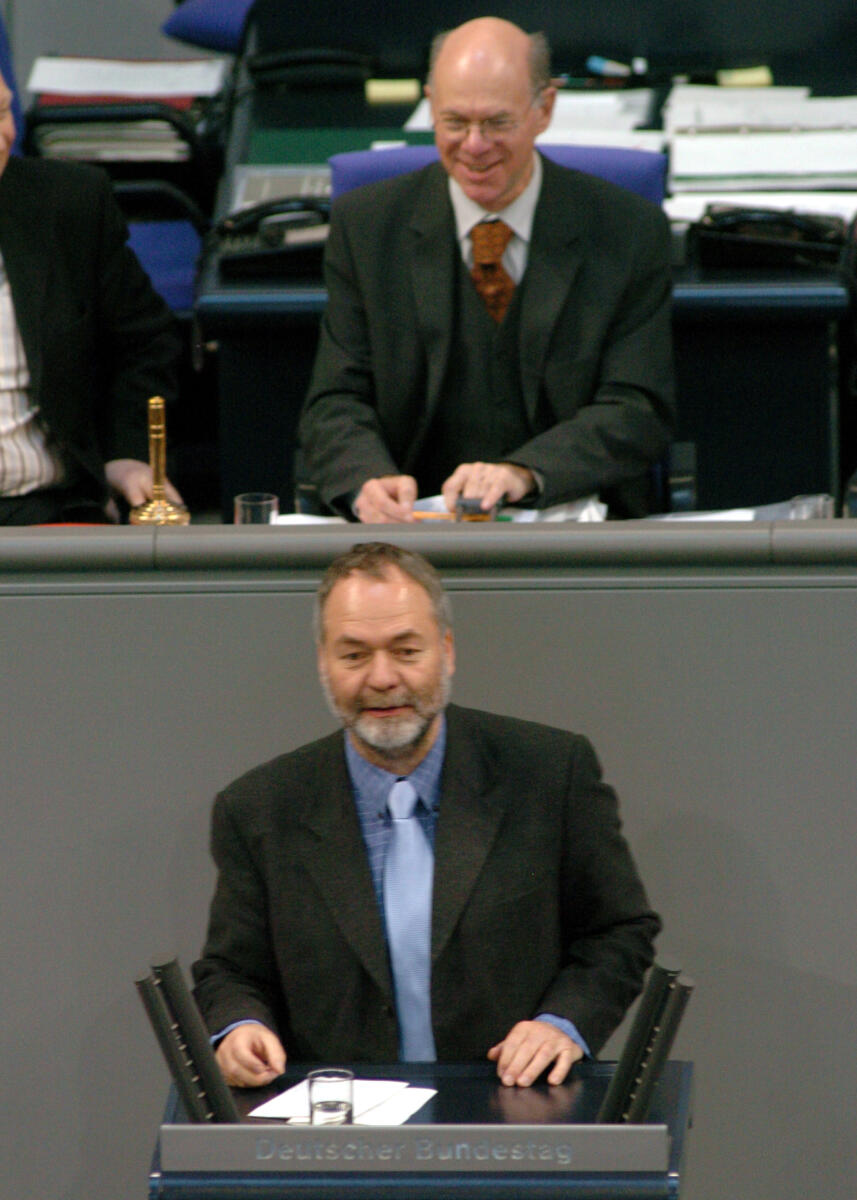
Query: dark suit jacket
(537, 906)
(99, 341)
(595, 339)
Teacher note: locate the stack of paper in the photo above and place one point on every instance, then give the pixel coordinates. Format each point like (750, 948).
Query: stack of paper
(763, 139)
(773, 161)
(81, 81)
(112, 141)
(704, 106)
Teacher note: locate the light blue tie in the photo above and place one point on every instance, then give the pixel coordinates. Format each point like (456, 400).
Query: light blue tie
(408, 870)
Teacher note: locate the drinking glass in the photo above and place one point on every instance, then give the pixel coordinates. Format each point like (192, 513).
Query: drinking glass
(331, 1093)
(256, 508)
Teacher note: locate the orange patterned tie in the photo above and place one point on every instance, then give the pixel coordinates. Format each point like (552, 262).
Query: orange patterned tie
(493, 282)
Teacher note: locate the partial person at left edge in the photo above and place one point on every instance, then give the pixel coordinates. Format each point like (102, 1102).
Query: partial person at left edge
(84, 342)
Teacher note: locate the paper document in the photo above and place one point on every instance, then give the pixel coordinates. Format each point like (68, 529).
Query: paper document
(117, 77)
(622, 108)
(588, 508)
(626, 139)
(703, 106)
(730, 514)
(376, 1102)
(112, 141)
(824, 112)
(779, 161)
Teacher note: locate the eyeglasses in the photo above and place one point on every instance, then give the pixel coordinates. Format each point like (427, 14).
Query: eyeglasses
(492, 129)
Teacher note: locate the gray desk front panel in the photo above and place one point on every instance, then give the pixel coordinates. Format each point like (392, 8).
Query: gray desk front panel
(718, 696)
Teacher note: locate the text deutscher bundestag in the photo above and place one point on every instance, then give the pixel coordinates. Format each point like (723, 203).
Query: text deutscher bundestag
(482, 1154)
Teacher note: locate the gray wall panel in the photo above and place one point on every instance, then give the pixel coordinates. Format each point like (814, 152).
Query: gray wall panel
(719, 708)
(121, 29)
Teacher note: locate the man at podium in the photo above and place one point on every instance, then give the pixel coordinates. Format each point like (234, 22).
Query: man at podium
(431, 882)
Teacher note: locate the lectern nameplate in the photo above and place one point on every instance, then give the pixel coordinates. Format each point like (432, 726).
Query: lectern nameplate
(414, 1148)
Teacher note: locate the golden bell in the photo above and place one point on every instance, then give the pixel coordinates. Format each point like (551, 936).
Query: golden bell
(159, 510)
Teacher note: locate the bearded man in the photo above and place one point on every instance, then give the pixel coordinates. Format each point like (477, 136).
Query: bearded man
(429, 883)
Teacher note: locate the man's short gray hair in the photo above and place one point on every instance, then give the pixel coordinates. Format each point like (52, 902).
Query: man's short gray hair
(375, 560)
(540, 60)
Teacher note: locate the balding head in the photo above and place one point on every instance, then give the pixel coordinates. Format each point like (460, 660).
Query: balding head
(490, 96)
(497, 41)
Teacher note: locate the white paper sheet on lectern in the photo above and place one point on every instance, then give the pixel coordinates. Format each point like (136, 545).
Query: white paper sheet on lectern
(376, 1102)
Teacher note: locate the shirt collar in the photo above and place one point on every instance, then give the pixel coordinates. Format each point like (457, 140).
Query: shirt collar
(372, 784)
(518, 215)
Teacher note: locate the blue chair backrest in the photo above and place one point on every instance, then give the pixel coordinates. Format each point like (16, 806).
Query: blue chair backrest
(641, 171)
(168, 251)
(211, 24)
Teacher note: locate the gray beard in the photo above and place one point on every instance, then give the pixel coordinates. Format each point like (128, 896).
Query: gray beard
(390, 737)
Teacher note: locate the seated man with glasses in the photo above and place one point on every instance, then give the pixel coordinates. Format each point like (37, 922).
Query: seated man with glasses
(497, 326)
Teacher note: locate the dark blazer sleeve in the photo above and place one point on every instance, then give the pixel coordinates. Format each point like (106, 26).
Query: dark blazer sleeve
(137, 335)
(549, 914)
(347, 432)
(236, 979)
(99, 340)
(608, 924)
(605, 390)
(295, 937)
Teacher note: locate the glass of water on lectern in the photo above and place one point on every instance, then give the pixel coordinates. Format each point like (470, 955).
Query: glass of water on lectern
(331, 1096)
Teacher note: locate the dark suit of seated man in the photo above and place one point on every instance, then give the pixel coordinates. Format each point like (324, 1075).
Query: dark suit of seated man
(531, 927)
(417, 387)
(85, 342)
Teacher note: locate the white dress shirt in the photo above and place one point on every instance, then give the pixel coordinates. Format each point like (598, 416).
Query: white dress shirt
(518, 216)
(27, 461)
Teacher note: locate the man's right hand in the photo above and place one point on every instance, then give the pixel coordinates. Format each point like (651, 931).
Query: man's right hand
(386, 500)
(250, 1056)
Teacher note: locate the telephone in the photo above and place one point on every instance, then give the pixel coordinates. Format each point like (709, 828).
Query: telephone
(730, 236)
(279, 238)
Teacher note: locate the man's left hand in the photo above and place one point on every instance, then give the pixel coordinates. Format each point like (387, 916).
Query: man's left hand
(134, 480)
(490, 482)
(531, 1046)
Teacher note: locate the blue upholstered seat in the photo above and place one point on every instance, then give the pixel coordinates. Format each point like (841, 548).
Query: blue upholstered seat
(641, 171)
